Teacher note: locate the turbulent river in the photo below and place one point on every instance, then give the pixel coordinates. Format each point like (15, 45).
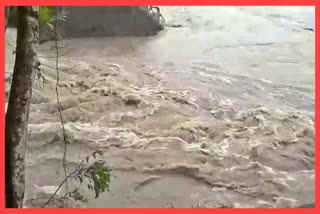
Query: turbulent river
(216, 112)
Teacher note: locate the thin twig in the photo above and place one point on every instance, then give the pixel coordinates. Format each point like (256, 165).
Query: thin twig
(59, 107)
(67, 69)
(53, 48)
(59, 187)
(39, 74)
(48, 57)
(79, 153)
(76, 171)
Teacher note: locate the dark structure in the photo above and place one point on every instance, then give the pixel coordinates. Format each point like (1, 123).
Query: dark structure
(107, 21)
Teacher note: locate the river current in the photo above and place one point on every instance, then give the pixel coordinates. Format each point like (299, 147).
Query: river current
(216, 110)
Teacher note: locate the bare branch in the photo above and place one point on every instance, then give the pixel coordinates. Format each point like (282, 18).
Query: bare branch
(60, 48)
(59, 187)
(49, 57)
(102, 179)
(53, 67)
(78, 171)
(59, 109)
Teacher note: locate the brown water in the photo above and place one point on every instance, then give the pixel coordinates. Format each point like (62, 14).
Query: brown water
(217, 112)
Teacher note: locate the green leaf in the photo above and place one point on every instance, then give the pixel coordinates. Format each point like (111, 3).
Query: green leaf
(45, 14)
(100, 175)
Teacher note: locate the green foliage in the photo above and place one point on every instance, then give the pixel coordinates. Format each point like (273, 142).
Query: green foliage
(77, 196)
(45, 14)
(97, 174)
(100, 176)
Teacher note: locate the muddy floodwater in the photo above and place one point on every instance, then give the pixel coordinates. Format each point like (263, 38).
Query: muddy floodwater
(216, 110)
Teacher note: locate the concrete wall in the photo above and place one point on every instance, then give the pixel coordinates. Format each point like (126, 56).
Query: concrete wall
(109, 21)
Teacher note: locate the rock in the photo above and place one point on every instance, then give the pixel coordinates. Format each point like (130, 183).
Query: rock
(110, 21)
(176, 25)
(132, 99)
(204, 145)
(308, 29)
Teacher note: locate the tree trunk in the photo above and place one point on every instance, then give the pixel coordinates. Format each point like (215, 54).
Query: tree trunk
(18, 107)
(7, 15)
